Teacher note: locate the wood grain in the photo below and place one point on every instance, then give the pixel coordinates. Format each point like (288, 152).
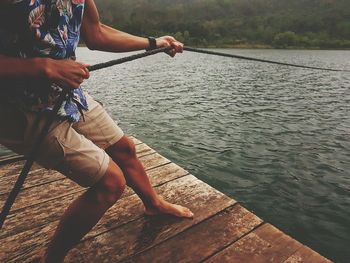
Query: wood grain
(202, 240)
(264, 244)
(305, 254)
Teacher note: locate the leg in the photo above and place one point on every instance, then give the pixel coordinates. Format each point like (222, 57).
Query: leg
(105, 133)
(84, 213)
(124, 154)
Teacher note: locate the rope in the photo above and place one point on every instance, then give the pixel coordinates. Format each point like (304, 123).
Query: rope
(35, 150)
(259, 60)
(127, 59)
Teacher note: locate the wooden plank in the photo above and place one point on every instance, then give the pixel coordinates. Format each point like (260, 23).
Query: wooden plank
(202, 240)
(37, 177)
(185, 190)
(305, 254)
(48, 212)
(15, 169)
(42, 193)
(135, 140)
(143, 149)
(11, 159)
(42, 176)
(50, 191)
(264, 244)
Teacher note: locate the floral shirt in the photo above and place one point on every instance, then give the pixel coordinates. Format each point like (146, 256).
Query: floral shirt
(41, 28)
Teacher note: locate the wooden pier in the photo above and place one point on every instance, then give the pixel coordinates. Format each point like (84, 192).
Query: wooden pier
(221, 231)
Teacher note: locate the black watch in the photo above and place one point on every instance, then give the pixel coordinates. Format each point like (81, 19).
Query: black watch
(152, 43)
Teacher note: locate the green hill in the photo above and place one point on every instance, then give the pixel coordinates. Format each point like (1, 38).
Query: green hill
(271, 23)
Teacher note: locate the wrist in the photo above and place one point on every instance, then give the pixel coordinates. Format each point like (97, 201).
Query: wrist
(43, 67)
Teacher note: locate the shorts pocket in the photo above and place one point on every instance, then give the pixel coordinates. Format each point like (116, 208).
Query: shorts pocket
(52, 153)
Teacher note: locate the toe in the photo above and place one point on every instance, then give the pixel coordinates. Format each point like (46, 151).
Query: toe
(188, 213)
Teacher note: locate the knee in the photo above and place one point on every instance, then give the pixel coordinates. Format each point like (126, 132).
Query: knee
(109, 189)
(124, 149)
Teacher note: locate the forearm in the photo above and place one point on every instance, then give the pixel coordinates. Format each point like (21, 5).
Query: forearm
(19, 67)
(113, 40)
(65, 72)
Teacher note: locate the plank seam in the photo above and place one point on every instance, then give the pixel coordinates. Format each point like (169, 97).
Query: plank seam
(231, 243)
(150, 154)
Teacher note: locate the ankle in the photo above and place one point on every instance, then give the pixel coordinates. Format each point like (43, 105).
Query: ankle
(155, 202)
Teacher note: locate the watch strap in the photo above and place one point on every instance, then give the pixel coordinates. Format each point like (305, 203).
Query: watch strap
(152, 43)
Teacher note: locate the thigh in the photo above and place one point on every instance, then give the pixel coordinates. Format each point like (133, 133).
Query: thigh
(63, 149)
(98, 126)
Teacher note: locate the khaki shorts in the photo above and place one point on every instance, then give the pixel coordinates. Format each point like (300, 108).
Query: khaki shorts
(74, 149)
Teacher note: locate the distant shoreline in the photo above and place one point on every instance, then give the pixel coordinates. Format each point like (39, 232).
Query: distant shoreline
(263, 46)
(256, 46)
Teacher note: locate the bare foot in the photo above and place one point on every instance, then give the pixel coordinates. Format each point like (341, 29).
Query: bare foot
(165, 207)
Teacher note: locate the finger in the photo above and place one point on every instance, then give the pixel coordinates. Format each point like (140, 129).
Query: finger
(86, 70)
(85, 73)
(178, 47)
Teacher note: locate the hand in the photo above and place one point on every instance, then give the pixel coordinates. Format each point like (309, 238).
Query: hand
(168, 41)
(66, 73)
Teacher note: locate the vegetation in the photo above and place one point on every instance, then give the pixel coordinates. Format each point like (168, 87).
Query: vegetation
(227, 23)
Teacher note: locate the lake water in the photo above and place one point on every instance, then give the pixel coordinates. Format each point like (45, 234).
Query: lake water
(276, 139)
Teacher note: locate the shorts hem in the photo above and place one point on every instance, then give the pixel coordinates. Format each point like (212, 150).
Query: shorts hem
(114, 140)
(102, 170)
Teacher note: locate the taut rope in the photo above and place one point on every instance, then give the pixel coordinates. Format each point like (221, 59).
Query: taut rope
(258, 59)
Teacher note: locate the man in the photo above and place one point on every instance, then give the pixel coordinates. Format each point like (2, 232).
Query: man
(37, 43)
